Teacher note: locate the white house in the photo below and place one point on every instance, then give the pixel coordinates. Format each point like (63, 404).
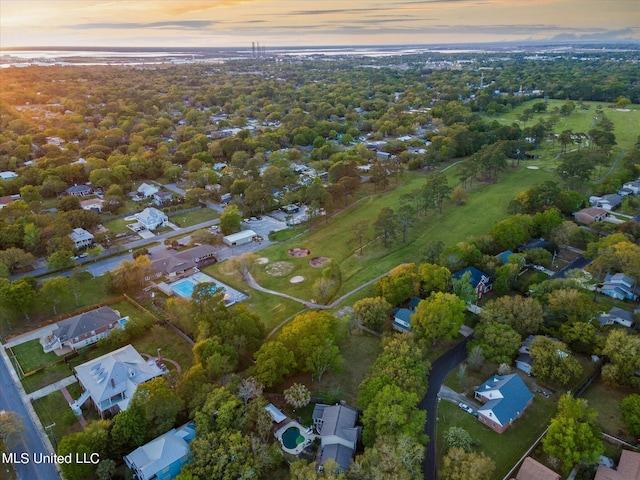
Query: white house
(110, 381)
(8, 175)
(145, 191)
(81, 238)
(84, 329)
(240, 238)
(633, 187)
(151, 218)
(618, 316)
(93, 204)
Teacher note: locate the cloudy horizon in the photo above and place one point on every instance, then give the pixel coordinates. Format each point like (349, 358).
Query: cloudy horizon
(289, 23)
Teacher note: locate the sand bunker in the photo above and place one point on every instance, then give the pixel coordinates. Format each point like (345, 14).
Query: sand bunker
(262, 261)
(279, 269)
(319, 261)
(533, 167)
(297, 279)
(298, 252)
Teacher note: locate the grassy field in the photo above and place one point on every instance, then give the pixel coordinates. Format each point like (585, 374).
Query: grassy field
(606, 400)
(31, 356)
(194, 217)
(118, 225)
(54, 410)
(505, 449)
(487, 205)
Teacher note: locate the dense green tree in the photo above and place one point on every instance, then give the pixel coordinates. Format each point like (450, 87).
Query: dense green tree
(390, 458)
(400, 284)
(438, 317)
(93, 439)
(499, 342)
(458, 437)
(216, 358)
(523, 314)
(552, 361)
(273, 363)
(433, 278)
(623, 351)
(513, 231)
(297, 395)
(14, 258)
(630, 409)
(372, 312)
(230, 220)
(56, 290)
(573, 436)
(11, 430)
(461, 465)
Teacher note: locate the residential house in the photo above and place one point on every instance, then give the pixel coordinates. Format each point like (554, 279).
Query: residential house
(402, 320)
(524, 362)
(533, 470)
(628, 468)
(481, 281)
(504, 398)
(6, 200)
(145, 191)
(504, 256)
(338, 434)
(151, 218)
(81, 238)
(163, 457)
(617, 315)
(608, 202)
(93, 204)
(171, 263)
(534, 243)
(84, 329)
(8, 175)
(620, 286)
(633, 187)
(160, 198)
(110, 381)
(590, 215)
(79, 190)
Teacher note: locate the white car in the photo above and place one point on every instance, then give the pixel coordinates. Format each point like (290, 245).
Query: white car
(465, 407)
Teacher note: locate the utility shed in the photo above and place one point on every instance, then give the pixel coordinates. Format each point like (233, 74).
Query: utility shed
(239, 238)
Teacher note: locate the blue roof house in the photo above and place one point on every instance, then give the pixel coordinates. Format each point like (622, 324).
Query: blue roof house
(162, 458)
(504, 256)
(504, 399)
(481, 281)
(402, 320)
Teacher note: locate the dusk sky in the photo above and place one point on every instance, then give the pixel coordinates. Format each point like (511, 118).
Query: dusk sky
(221, 23)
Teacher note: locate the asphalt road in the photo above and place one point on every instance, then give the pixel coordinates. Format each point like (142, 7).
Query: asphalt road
(439, 371)
(32, 444)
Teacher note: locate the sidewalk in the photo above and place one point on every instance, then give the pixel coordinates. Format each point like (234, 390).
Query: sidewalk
(60, 384)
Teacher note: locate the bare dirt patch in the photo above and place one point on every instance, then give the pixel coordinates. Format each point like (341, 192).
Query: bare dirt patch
(318, 262)
(297, 279)
(298, 252)
(279, 269)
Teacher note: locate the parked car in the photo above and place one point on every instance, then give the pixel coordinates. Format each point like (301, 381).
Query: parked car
(466, 407)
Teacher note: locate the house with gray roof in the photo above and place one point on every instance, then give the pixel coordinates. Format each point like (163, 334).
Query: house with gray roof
(79, 190)
(110, 381)
(171, 263)
(618, 316)
(163, 457)
(620, 287)
(151, 218)
(504, 398)
(81, 238)
(336, 425)
(84, 329)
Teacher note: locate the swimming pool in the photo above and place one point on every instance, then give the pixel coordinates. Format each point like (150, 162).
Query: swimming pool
(291, 438)
(184, 288)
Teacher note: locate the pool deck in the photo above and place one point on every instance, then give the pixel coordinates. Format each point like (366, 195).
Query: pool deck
(308, 437)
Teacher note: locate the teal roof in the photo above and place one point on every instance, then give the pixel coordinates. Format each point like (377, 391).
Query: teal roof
(504, 256)
(476, 276)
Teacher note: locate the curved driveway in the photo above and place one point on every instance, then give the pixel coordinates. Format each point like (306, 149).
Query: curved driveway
(442, 367)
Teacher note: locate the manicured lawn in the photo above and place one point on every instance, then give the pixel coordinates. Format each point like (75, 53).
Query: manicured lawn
(505, 449)
(194, 217)
(118, 226)
(271, 309)
(31, 356)
(486, 206)
(54, 410)
(171, 345)
(606, 400)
